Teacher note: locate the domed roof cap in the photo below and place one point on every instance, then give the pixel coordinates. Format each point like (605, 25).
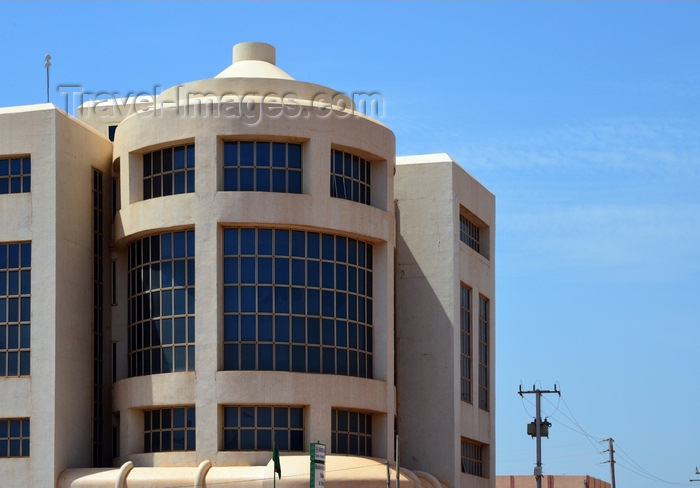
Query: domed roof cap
(254, 60)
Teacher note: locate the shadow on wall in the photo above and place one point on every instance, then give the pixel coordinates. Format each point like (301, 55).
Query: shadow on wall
(425, 341)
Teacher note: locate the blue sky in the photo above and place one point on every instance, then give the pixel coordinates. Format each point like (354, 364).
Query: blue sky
(583, 119)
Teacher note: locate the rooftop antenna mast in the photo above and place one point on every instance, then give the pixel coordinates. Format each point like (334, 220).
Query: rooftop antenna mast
(47, 65)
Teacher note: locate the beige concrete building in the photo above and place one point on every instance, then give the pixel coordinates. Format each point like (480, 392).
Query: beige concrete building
(445, 292)
(187, 279)
(550, 481)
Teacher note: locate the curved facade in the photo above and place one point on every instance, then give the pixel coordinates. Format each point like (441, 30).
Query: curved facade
(188, 279)
(257, 253)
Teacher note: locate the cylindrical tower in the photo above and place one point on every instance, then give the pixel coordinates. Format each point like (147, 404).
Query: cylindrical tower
(253, 265)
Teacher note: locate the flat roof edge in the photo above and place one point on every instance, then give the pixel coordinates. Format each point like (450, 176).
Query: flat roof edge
(36, 107)
(425, 158)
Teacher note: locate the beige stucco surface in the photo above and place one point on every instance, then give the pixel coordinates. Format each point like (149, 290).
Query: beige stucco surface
(57, 218)
(431, 191)
(208, 210)
(412, 223)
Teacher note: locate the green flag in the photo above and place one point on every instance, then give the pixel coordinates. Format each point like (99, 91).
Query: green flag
(276, 457)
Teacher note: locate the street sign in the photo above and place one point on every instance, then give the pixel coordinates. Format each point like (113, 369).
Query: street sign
(318, 475)
(318, 452)
(318, 466)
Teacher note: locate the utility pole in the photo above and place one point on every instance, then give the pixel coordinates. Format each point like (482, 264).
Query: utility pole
(538, 427)
(612, 461)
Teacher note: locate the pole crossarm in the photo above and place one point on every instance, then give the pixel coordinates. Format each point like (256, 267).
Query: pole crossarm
(538, 425)
(611, 451)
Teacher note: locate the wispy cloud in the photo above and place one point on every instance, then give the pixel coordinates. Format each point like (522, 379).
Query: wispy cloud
(617, 198)
(629, 144)
(639, 243)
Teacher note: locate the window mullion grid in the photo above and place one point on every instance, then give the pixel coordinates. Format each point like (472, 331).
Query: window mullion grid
(360, 323)
(483, 353)
(15, 322)
(141, 298)
(472, 457)
(288, 429)
(160, 174)
(465, 343)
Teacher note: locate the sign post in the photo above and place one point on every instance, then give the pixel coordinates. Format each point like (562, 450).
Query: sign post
(318, 465)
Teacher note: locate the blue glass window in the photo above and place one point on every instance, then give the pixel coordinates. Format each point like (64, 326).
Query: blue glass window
(15, 308)
(168, 171)
(14, 438)
(296, 311)
(169, 429)
(350, 177)
(351, 432)
(483, 353)
(255, 428)
(161, 304)
(465, 322)
(262, 166)
(15, 175)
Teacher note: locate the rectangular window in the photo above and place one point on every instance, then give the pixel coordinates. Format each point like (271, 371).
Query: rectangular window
(15, 175)
(168, 171)
(465, 322)
(169, 429)
(115, 434)
(262, 166)
(14, 438)
(474, 458)
(351, 432)
(114, 362)
(469, 233)
(350, 177)
(98, 317)
(15, 308)
(474, 232)
(114, 282)
(483, 353)
(252, 428)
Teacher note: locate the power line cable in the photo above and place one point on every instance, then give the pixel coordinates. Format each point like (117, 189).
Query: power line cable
(638, 469)
(626, 462)
(592, 440)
